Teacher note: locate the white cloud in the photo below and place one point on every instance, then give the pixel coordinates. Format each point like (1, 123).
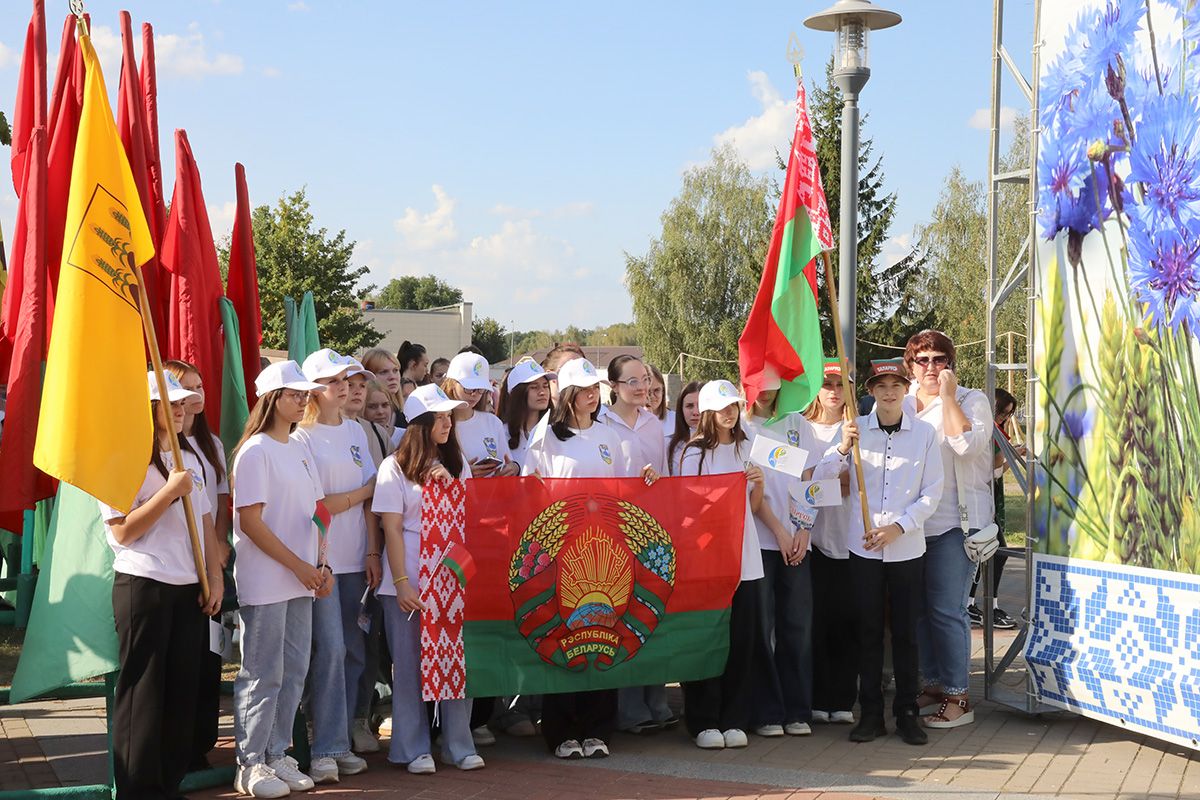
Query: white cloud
(107, 43)
(272, 72)
(897, 248)
(759, 137)
(575, 209)
(186, 57)
(517, 248)
(981, 120)
(299, 5)
(426, 231)
(221, 219)
(8, 56)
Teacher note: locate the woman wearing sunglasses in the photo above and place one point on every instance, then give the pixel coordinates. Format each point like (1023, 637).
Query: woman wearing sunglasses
(963, 420)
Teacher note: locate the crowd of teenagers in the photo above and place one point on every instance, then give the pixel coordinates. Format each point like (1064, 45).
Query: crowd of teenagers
(329, 621)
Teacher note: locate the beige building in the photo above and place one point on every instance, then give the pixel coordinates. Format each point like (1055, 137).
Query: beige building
(443, 331)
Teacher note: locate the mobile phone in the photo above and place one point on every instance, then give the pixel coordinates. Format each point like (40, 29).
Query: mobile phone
(489, 461)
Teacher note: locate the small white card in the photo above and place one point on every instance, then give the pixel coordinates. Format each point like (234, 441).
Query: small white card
(802, 515)
(783, 457)
(818, 493)
(220, 640)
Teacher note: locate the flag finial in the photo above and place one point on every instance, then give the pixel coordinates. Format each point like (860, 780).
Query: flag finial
(795, 53)
(76, 7)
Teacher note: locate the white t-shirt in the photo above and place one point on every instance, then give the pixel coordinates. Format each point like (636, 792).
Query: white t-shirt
(796, 431)
(640, 445)
(724, 459)
(397, 435)
(163, 553)
(829, 531)
(668, 425)
(212, 487)
(344, 464)
(283, 477)
(482, 436)
(591, 453)
(396, 494)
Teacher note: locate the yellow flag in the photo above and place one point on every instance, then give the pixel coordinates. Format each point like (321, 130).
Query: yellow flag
(94, 430)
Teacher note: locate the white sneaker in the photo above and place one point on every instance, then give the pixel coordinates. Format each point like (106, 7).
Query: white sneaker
(385, 727)
(821, 717)
(842, 717)
(769, 730)
(797, 729)
(288, 771)
(323, 770)
(711, 739)
(736, 737)
(482, 736)
(569, 749)
(472, 761)
(594, 748)
(351, 765)
(257, 780)
(362, 741)
(422, 765)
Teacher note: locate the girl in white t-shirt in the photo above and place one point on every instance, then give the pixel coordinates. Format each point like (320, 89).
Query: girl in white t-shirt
(159, 611)
(656, 401)
(276, 490)
(427, 452)
(719, 709)
(353, 551)
(687, 417)
(480, 434)
(525, 401)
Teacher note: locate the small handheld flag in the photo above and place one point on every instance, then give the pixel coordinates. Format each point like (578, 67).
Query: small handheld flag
(322, 518)
(460, 562)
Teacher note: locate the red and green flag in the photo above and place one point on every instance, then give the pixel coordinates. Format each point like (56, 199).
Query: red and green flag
(581, 584)
(783, 332)
(460, 561)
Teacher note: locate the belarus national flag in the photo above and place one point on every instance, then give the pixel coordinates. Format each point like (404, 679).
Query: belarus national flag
(783, 329)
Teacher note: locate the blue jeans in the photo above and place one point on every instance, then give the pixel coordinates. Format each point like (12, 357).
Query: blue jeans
(787, 608)
(276, 639)
(943, 628)
(637, 704)
(410, 725)
(338, 654)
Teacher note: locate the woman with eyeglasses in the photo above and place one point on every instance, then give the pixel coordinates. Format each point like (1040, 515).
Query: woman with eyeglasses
(963, 421)
(352, 549)
(276, 489)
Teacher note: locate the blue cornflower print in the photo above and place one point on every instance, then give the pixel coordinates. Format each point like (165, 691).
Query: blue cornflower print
(1113, 36)
(1164, 272)
(1165, 159)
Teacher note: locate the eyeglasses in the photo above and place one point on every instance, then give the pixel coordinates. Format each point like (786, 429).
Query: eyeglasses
(298, 397)
(636, 383)
(937, 361)
(656, 393)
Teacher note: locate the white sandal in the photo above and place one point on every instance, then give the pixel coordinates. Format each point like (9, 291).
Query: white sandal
(967, 717)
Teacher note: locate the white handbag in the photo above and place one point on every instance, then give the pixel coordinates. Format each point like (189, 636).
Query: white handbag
(982, 544)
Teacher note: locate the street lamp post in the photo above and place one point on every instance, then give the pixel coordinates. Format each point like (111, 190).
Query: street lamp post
(851, 21)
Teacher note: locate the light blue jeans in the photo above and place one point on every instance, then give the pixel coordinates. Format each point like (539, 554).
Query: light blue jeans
(338, 655)
(943, 627)
(638, 704)
(410, 724)
(276, 639)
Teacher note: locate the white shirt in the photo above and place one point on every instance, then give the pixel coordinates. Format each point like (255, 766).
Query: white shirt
(795, 430)
(591, 453)
(520, 453)
(396, 494)
(164, 552)
(397, 435)
(903, 474)
(213, 488)
(726, 458)
(343, 461)
(668, 426)
(482, 436)
(283, 477)
(972, 450)
(640, 445)
(829, 531)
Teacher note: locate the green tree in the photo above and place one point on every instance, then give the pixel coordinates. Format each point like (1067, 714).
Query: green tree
(5, 131)
(411, 292)
(294, 257)
(693, 290)
(890, 304)
(955, 244)
(490, 337)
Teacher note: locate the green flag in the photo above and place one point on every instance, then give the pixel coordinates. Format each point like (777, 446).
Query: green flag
(303, 338)
(71, 634)
(234, 408)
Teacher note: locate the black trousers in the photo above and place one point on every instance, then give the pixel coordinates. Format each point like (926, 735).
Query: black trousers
(160, 642)
(895, 585)
(726, 701)
(835, 634)
(208, 707)
(578, 715)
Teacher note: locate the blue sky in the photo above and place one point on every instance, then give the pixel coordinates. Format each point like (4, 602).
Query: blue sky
(518, 149)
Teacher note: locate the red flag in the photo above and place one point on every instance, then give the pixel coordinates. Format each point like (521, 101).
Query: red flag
(131, 125)
(66, 105)
(30, 111)
(190, 257)
(158, 220)
(21, 485)
(242, 288)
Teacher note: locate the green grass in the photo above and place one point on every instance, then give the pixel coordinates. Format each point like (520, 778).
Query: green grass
(1015, 505)
(10, 650)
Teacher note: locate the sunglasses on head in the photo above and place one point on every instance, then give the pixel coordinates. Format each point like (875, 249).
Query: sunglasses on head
(937, 361)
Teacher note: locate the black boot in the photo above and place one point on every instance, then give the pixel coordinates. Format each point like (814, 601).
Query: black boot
(908, 726)
(869, 728)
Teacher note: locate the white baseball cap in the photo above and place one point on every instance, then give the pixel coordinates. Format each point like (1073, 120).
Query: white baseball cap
(527, 371)
(577, 372)
(285, 375)
(470, 370)
(324, 363)
(716, 395)
(356, 368)
(429, 397)
(175, 391)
